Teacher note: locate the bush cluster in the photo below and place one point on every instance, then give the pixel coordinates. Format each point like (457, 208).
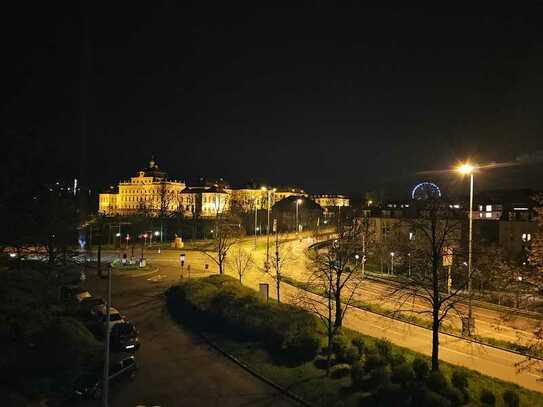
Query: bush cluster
(221, 303)
(386, 378)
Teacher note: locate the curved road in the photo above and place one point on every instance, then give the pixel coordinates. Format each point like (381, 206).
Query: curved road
(485, 359)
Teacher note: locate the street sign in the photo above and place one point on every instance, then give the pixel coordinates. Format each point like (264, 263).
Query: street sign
(264, 290)
(447, 256)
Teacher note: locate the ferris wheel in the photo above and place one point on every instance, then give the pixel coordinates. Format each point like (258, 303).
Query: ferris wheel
(425, 190)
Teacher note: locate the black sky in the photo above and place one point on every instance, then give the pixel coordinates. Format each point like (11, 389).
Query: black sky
(332, 99)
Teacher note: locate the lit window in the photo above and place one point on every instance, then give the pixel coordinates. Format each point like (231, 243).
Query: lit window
(488, 214)
(480, 207)
(526, 237)
(489, 208)
(411, 236)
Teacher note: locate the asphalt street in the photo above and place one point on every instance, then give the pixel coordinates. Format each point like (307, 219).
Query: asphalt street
(485, 359)
(176, 368)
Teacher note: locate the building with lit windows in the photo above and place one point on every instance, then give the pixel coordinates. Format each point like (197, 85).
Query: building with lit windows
(148, 192)
(204, 201)
(502, 217)
(331, 203)
(248, 197)
(285, 192)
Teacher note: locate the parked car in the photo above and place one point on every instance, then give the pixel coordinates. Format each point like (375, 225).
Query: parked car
(124, 337)
(88, 304)
(73, 294)
(90, 385)
(100, 314)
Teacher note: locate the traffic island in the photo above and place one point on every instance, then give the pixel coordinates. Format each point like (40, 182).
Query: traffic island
(133, 267)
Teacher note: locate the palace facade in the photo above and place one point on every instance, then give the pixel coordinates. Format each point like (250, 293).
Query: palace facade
(150, 191)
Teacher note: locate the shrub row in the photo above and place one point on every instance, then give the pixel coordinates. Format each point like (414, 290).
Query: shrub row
(220, 303)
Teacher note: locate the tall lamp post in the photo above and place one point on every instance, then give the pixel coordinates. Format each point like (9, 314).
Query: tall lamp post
(469, 169)
(298, 202)
(256, 219)
(269, 192)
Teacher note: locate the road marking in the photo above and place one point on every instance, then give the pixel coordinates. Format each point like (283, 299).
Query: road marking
(156, 278)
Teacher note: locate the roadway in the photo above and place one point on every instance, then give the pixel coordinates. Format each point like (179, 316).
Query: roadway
(485, 359)
(176, 368)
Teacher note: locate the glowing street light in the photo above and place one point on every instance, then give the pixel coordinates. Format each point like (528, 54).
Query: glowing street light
(466, 169)
(469, 169)
(298, 202)
(269, 192)
(392, 262)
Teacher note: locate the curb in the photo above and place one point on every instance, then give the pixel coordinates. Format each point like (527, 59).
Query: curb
(483, 304)
(135, 274)
(428, 329)
(247, 368)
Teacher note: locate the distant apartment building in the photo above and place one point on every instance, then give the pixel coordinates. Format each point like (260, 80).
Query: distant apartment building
(504, 218)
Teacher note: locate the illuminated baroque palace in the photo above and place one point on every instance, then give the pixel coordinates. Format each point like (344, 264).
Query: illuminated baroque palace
(152, 192)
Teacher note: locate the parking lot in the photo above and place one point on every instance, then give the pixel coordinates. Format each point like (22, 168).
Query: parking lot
(176, 368)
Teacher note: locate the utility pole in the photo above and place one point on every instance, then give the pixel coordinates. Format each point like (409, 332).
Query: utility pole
(363, 252)
(108, 331)
(277, 260)
(470, 249)
(99, 253)
(256, 219)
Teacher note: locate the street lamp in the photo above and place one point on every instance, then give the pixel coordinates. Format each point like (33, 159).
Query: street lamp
(469, 169)
(256, 218)
(298, 202)
(392, 262)
(269, 192)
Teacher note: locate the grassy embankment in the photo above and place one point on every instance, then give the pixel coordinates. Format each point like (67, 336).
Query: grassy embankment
(277, 341)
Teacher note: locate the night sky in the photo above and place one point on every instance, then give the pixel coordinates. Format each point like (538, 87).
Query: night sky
(343, 100)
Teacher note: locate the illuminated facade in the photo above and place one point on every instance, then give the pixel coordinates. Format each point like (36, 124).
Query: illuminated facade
(247, 199)
(148, 192)
(282, 193)
(204, 202)
(331, 201)
(151, 192)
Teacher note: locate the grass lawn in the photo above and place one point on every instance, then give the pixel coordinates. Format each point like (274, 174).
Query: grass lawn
(263, 336)
(311, 383)
(424, 323)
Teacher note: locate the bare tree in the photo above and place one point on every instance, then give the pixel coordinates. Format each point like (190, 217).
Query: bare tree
(281, 256)
(431, 240)
(241, 261)
(336, 273)
(227, 233)
(535, 251)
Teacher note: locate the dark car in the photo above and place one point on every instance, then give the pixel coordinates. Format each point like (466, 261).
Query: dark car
(124, 337)
(90, 385)
(73, 294)
(88, 304)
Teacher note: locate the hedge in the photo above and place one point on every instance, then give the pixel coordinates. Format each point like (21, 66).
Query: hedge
(220, 303)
